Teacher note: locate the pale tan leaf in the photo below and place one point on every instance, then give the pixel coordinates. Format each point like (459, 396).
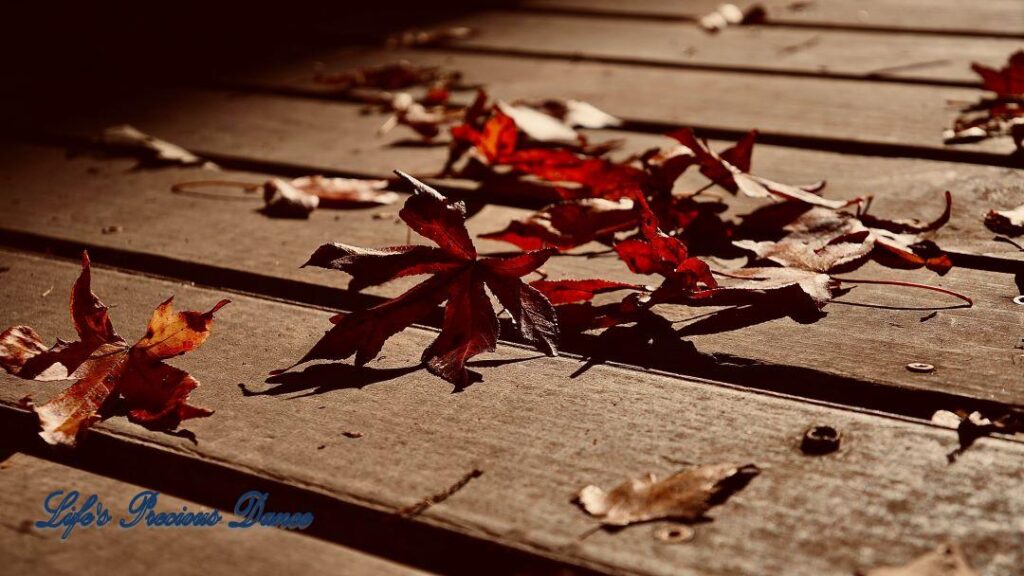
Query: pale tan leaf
(685, 495)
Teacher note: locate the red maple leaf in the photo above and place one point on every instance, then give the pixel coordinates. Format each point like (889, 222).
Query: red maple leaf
(458, 276)
(655, 252)
(651, 252)
(107, 368)
(1008, 81)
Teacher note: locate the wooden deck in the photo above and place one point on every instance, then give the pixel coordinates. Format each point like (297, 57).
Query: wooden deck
(854, 92)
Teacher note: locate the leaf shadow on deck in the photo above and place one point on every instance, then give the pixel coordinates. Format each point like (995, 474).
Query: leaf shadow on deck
(323, 378)
(654, 341)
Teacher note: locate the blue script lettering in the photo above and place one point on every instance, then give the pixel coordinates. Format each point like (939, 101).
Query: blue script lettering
(142, 508)
(64, 513)
(251, 506)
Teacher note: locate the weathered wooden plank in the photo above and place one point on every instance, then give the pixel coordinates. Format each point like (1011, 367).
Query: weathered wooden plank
(853, 115)
(990, 17)
(826, 53)
(974, 350)
(841, 115)
(538, 436)
(314, 136)
(27, 480)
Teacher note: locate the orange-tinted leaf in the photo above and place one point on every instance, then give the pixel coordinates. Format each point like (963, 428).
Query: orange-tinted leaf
(66, 414)
(170, 334)
(88, 314)
(158, 393)
(106, 369)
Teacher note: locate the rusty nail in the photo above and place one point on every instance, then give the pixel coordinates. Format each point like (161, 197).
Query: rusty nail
(820, 439)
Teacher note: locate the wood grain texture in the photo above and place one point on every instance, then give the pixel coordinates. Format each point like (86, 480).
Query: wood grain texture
(26, 480)
(996, 17)
(75, 199)
(798, 51)
(538, 436)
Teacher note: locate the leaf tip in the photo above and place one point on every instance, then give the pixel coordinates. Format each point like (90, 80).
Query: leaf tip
(218, 306)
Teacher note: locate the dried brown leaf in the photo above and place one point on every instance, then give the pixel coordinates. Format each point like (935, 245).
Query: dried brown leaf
(1008, 222)
(153, 149)
(685, 495)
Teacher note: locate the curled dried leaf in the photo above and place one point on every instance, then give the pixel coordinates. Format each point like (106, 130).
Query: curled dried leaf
(152, 149)
(730, 14)
(299, 197)
(685, 495)
(783, 283)
(1008, 222)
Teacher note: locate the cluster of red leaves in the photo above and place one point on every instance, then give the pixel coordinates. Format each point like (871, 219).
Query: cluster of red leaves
(106, 368)
(796, 242)
(1002, 114)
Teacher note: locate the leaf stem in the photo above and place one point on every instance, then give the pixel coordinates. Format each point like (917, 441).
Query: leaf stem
(908, 285)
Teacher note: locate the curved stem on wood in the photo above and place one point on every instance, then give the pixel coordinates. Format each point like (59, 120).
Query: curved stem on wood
(909, 285)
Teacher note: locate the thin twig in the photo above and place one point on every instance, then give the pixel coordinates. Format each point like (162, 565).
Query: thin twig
(421, 506)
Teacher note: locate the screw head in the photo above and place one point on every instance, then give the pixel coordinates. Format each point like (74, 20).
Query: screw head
(920, 367)
(821, 439)
(675, 534)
